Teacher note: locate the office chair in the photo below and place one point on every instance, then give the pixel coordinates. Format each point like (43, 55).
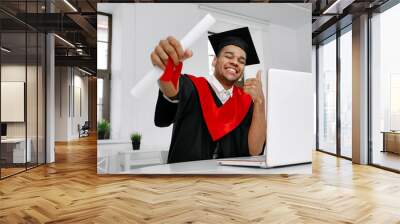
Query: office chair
(84, 130)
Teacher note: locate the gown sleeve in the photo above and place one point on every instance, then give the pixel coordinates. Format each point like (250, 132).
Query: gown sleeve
(166, 111)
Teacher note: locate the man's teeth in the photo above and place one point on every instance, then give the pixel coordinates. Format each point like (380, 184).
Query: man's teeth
(231, 70)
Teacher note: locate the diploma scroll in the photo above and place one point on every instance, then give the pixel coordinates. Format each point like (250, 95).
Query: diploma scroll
(192, 36)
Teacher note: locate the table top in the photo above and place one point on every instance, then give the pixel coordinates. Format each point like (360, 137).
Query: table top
(125, 163)
(13, 140)
(390, 132)
(127, 146)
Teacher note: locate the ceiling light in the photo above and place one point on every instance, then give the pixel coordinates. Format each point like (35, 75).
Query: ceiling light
(331, 7)
(338, 6)
(102, 26)
(84, 71)
(70, 5)
(64, 40)
(5, 50)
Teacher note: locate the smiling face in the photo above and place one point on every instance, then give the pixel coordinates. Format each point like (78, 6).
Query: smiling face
(229, 65)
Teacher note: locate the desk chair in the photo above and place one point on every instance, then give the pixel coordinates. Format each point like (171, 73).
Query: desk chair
(84, 130)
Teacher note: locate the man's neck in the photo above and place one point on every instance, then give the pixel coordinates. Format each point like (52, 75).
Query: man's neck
(225, 83)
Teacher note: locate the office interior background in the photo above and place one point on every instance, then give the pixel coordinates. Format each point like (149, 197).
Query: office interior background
(24, 66)
(47, 80)
(44, 78)
(372, 36)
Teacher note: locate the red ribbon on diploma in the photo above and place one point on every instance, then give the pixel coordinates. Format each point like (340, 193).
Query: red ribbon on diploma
(172, 72)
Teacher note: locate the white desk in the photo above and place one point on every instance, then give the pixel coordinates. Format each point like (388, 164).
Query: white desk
(122, 164)
(125, 161)
(107, 148)
(113, 156)
(18, 150)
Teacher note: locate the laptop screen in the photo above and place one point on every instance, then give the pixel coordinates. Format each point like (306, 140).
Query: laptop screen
(3, 129)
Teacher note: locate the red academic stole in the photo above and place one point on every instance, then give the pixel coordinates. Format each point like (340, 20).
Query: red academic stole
(219, 120)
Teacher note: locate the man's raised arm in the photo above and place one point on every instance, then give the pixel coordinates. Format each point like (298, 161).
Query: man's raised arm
(169, 48)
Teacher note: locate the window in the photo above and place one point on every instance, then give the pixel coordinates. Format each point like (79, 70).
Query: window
(211, 55)
(103, 42)
(346, 93)
(334, 59)
(385, 88)
(99, 99)
(22, 77)
(327, 96)
(395, 101)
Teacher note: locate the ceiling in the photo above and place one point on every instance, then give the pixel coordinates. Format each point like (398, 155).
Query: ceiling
(321, 22)
(76, 22)
(323, 25)
(271, 14)
(332, 15)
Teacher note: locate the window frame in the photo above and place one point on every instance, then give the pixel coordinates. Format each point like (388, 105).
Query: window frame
(106, 72)
(333, 37)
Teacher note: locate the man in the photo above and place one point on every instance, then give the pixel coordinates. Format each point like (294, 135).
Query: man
(213, 118)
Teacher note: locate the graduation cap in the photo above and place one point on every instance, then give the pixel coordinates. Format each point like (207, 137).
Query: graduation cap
(239, 37)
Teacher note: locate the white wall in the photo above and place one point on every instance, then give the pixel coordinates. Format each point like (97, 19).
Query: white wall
(314, 74)
(33, 126)
(137, 29)
(287, 48)
(133, 40)
(61, 103)
(12, 73)
(66, 121)
(80, 109)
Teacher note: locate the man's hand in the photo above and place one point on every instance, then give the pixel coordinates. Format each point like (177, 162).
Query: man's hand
(169, 47)
(253, 87)
(258, 127)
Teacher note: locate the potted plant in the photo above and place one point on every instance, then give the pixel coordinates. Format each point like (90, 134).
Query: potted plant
(135, 138)
(103, 129)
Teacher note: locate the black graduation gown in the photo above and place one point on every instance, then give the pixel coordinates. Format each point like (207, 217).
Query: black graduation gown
(190, 137)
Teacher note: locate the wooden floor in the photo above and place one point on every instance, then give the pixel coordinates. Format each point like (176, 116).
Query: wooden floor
(70, 191)
(386, 159)
(10, 171)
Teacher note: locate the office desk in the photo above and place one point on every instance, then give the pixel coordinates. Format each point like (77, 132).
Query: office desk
(120, 161)
(122, 164)
(107, 148)
(13, 150)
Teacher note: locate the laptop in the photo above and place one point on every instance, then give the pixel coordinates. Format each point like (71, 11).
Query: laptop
(290, 122)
